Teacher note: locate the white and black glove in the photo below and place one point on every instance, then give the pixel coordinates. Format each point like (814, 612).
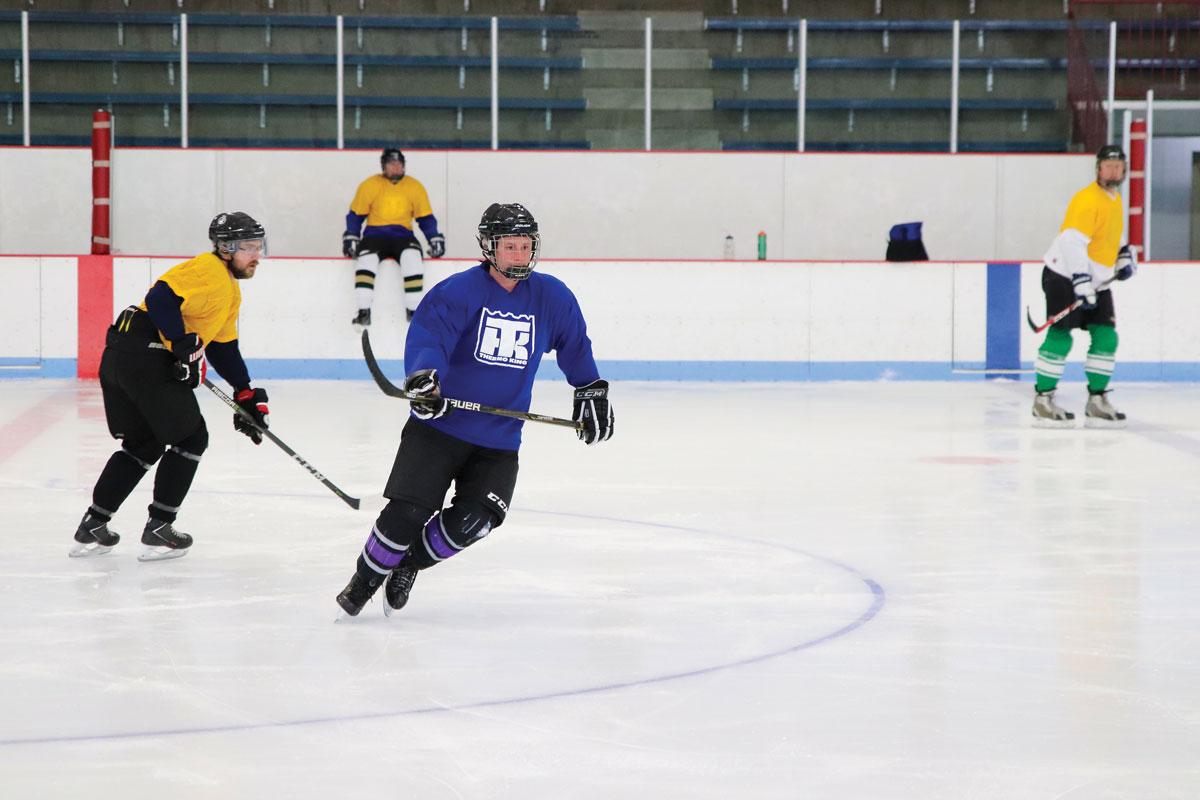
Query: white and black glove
(437, 246)
(1084, 290)
(593, 410)
(431, 405)
(1126, 265)
(349, 244)
(189, 366)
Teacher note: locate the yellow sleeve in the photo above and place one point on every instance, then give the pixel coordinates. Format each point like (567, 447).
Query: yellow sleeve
(368, 190)
(210, 295)
(421, 207)
(1082, 214)
(230, 331)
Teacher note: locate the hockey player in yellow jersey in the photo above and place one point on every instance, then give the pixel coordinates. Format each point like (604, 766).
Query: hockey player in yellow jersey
(154, 357)
(1081, 264)
(389, 203)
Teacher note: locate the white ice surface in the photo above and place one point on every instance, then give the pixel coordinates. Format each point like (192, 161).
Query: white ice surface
(859, 590)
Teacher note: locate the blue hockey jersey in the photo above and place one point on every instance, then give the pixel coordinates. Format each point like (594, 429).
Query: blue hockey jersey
(486, 344)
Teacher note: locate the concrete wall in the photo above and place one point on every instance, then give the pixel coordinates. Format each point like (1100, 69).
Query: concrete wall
(590, 205)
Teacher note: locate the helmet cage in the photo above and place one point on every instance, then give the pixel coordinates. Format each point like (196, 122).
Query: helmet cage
(489, 243)
(508, 219)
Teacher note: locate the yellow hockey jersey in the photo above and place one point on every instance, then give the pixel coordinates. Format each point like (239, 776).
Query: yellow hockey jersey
(385, 203)
(211, 298)
(1099, 218)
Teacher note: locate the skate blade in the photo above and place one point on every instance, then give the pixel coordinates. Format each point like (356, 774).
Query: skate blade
(89, 549)
(1042, 422)
(150, 553)
(1097, 422)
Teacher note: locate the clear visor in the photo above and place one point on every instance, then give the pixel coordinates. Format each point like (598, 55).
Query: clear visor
(254, 247)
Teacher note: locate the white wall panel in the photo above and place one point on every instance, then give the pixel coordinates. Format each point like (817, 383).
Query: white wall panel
(623, 205)
(1032, 193)
(841, 206)
(45, 200)
(163, 200)
(19, 302)
(590, 205)
(968, 328)
(59, 307)
(881, 312)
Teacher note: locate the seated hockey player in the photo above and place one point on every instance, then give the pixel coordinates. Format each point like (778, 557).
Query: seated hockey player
(389, 203)
(478, 335)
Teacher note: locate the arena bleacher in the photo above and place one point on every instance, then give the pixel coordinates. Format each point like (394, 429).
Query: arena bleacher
(726, 74)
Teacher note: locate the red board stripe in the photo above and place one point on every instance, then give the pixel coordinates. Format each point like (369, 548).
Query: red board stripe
(95, 312)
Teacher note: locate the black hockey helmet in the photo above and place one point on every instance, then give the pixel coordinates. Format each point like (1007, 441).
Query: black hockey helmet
(229, 228)
(1110, 152)
(508, 219)
(390, 154)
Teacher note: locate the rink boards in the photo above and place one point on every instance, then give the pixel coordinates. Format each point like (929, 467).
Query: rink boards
(648, 320)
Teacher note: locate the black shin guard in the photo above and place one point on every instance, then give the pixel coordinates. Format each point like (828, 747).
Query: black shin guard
(122, 474)
(174, 475)
(396, 529)
(453, 530)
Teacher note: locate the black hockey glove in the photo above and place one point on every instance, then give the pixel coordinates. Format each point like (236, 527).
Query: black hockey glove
(254, 402)
(349, 245)
(437, 246)
(189, 365)
(593, 410)
(432, 405)
(1126, 263)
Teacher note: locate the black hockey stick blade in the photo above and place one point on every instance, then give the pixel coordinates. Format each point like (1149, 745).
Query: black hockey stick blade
(392, 390)
(1029, 318)
(353, 502)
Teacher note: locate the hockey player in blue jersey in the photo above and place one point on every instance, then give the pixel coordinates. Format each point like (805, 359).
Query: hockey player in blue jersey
(479, 335)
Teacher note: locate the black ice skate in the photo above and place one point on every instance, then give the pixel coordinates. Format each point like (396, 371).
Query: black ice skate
(362, 319)
(1048, 414)
(357, 592)
(93, 538)
(398, 588)
(162, 541)
(1099, 413)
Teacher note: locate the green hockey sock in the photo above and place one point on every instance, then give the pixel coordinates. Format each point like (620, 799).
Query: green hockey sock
(1052, 359)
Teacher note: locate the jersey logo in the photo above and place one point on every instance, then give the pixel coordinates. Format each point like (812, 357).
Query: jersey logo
(504, 339)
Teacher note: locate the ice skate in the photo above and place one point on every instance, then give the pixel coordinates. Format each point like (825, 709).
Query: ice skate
(1048, 414)
(398, 588)
(1099, 413)
(161, 541)
(362, 320)
(93, 538)
(357, 592)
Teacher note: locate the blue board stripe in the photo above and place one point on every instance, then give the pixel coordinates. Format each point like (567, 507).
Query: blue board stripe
(1003, 316)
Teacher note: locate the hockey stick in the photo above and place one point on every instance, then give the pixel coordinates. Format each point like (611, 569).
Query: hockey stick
(392, 390)
(1078, 302)
(353, 502)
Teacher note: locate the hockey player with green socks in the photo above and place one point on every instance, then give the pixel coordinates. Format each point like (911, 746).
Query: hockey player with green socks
(1081, 264)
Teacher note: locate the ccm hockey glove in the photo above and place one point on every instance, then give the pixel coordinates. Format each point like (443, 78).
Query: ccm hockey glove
(593, 410)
